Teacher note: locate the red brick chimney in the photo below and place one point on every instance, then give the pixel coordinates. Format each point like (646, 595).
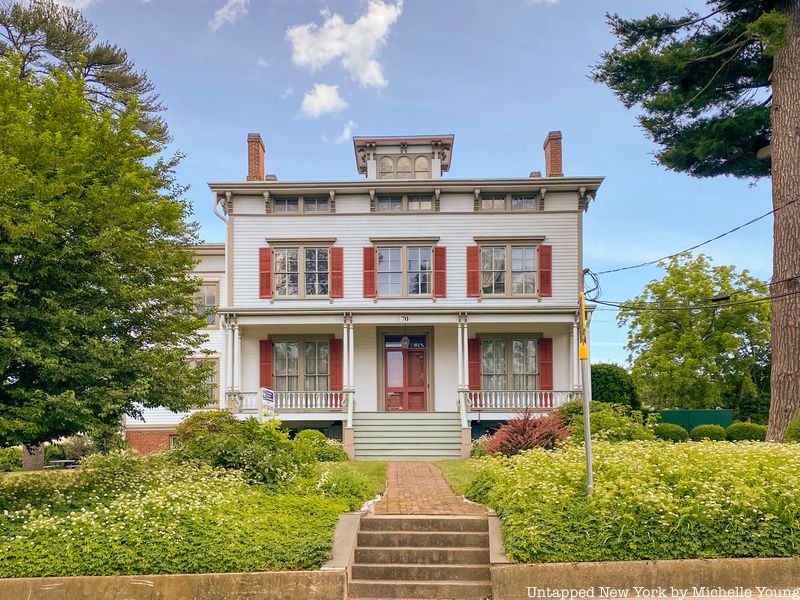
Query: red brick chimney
(552, 155)
(255, 157)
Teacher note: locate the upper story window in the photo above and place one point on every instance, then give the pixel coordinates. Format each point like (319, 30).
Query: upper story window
(501, 202)
(207, 299)
(385, 168)
(286, 205)
(405, 203)
(301, 271)
(422, 168)
(316, 204)
(404, 168)
(293, 205)
(404, 270)
(508, 270)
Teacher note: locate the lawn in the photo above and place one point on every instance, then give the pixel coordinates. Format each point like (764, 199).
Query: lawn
(130, 515)
(652, 500)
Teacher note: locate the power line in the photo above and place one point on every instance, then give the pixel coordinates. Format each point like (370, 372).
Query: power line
(707, 306)
(708, 241)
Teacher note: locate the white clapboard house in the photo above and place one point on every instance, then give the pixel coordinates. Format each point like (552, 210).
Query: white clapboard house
(401, 311)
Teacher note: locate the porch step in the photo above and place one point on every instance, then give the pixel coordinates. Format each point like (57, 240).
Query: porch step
(421, 556)
(406, 435)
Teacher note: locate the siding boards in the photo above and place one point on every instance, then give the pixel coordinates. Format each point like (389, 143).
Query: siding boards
(456, 232)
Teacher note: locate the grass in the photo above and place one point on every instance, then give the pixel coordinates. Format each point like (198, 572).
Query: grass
(459, 473)
(149, 515)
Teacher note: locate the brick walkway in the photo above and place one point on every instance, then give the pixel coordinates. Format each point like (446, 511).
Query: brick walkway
(419, 488)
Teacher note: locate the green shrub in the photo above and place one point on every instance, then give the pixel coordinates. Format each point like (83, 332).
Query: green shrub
(262, 450)
(318, 447)
(611, 383)
(652, 500)
(10, 459)
(478, 449)
(613, 422)
(792, 433)
(526, 431)
(714, 433)
(741, 432)
(670, 432)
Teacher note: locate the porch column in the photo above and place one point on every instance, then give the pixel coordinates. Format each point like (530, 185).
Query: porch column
(237, 357)
(351, 355)
(345, 355)
(465, 353)
(228, 355)
(460, 355)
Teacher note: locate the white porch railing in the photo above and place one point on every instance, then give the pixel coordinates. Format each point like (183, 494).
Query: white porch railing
(250, 402)
(514, 400)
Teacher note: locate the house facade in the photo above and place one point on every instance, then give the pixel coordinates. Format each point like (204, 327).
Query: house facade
(403, 312)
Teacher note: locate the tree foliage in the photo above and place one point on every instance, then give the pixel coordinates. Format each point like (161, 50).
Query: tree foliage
(97, 315)
(46, 35)
(702, 81)
(699, 358)
(612, 383)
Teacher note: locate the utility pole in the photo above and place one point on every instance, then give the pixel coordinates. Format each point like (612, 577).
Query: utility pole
(586, 369)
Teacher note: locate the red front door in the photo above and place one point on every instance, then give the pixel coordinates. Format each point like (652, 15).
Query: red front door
(405, 373)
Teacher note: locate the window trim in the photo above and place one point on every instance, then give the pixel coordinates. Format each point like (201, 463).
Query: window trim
(404, 246)
(509, 339)
(301, 269)
(508, 245)
(216, 284)
(301, 208)
(404, 203)
(508, 204)
(395, 158)
(300, 339)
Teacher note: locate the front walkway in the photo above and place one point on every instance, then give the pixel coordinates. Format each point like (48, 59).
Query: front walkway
(419, 488)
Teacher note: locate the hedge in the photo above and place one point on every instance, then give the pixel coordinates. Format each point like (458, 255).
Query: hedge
(670, 432)
(708, 432)
(752, 432)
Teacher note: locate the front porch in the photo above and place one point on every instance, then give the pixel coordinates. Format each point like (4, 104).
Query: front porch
(326, 368)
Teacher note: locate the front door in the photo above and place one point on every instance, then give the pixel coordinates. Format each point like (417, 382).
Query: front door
(405, 373)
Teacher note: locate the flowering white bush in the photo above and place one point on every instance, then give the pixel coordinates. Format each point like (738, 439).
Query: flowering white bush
(652, 500)
(128, 515)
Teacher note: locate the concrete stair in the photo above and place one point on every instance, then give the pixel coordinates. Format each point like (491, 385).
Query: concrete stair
(421, 556)
(406, 436)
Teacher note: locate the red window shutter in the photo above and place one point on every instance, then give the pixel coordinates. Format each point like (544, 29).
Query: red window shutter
(545, 363)
(473, 271)
(439, 272)
(336, 267)
(474, 362)
(265, 272)
(545, 270)
(265, 363)
(369, 272)
(335, 356)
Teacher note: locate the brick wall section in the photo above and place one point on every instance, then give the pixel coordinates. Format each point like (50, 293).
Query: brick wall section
(552, 155)
(147, 442)
(255, 157)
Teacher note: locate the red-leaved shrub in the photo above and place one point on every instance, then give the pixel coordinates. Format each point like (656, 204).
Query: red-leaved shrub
(526, 431)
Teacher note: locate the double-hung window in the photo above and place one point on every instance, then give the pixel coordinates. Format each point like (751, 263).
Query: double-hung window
(301, 365)
(301, 271)
(207, 301)
(502, 202)
(293, 205)
(211, 382)
(509, 363)
(508, 270)
(405, 203)
(404, 270)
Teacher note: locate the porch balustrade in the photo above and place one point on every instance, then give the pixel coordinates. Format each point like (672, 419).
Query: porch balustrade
(514, 400)
(250, 402)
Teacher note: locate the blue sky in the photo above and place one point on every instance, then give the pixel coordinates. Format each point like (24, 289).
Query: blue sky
(308, 74)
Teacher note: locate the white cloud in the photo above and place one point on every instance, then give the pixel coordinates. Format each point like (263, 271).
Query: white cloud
(262, 62)
(230, 12)
(287, 92)
(347, 132)
(356, 45)
(324, 138)
(322, 99)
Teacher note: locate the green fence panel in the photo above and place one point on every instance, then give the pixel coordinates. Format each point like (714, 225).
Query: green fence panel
(690, 418)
